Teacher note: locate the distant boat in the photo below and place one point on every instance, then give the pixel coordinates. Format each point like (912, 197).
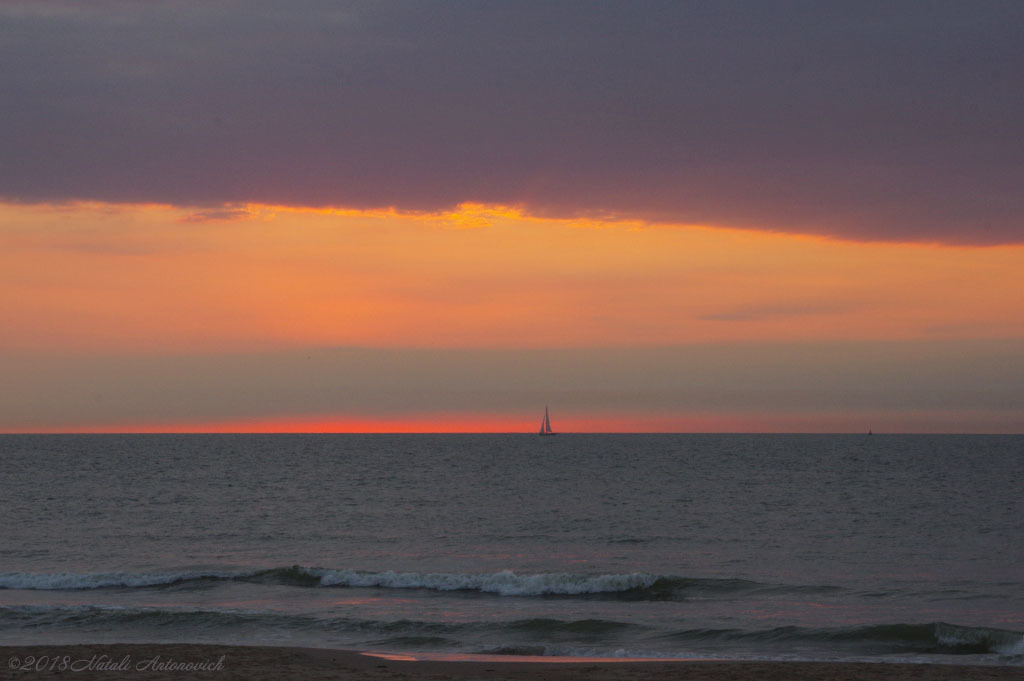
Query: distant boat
(545, 425)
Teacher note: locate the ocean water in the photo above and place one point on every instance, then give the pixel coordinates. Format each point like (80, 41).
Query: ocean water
(801, 547)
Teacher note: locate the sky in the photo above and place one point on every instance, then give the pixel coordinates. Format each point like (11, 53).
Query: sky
(231, 216)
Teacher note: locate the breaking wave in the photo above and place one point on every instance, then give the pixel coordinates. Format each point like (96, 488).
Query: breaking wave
(505, 583)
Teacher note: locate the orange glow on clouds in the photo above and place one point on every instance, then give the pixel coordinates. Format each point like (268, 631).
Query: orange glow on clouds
(95, 277)
(96, 280)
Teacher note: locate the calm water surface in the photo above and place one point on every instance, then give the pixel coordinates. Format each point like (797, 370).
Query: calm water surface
(740, 546)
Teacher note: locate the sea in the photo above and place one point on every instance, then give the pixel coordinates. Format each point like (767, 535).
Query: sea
(886, 548)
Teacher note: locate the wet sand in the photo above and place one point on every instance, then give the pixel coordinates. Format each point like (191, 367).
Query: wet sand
(164, 662)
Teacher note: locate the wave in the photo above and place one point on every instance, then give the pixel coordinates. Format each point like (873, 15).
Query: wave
(103, 617)
(38, 617)
(505, 583)
(63, 581)
(533, 636)
(931, 638)
(629, 586)
(970, 639)
(432, 633)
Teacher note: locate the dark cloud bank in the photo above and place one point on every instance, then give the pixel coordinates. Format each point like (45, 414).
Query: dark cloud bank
(865, 120)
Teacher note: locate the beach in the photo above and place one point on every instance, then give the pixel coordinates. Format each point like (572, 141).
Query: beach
(164, 662)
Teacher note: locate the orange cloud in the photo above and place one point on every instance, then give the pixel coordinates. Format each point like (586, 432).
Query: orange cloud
(136, 278)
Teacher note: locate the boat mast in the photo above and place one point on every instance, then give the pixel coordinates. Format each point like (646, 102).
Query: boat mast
(545, 423)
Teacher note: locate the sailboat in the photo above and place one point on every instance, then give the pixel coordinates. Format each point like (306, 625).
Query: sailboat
(545, 425)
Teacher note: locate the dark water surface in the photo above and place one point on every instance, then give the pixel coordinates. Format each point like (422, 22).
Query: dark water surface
(740, 546)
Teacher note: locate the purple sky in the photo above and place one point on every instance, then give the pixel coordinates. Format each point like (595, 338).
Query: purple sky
(865, 120)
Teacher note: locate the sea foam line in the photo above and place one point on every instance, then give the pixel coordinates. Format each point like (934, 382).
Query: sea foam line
(504, 583)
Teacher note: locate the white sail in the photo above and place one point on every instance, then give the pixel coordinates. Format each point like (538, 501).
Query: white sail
(545, 424)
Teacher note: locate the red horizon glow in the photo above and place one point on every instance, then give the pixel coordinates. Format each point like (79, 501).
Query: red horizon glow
(594, 422)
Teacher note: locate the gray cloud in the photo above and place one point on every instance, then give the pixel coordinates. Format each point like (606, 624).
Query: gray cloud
(869, 120)
(217, 215)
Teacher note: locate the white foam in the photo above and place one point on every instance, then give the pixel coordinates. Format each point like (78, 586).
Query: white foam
(997, 640)
(505, 583)
(1014, 648)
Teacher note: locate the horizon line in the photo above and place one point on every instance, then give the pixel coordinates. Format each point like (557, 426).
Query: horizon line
(510, 432)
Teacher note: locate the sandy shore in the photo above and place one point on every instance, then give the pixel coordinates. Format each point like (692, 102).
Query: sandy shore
(150, 662)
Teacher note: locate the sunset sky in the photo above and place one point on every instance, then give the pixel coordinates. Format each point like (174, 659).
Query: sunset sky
(442, 216)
